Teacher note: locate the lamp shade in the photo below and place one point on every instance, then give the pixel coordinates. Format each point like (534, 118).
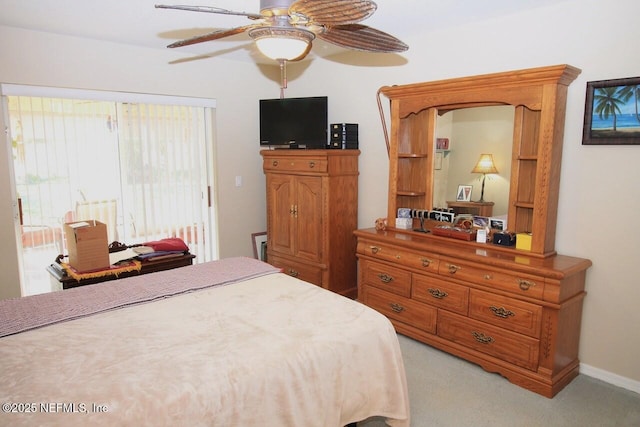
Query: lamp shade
(485, 165)
(282, 43)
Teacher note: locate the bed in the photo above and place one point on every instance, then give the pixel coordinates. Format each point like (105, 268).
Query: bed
(233, 342)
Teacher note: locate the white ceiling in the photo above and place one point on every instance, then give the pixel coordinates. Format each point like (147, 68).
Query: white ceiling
(139, 23)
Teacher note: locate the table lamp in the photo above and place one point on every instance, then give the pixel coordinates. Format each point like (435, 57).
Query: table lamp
(484, 166)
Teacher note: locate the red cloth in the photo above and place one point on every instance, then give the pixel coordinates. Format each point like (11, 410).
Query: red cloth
(168, 244)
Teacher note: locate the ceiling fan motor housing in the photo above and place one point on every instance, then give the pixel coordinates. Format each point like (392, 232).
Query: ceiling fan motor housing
(275, 7)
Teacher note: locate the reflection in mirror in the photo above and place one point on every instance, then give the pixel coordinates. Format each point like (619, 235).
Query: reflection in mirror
(472, 132)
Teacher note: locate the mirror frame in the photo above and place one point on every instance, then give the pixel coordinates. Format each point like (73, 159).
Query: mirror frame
(539, 96)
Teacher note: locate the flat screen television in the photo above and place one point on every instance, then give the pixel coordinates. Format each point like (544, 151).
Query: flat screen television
(294, 122)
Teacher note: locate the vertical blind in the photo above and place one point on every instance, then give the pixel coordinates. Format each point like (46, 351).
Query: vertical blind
(140, 167)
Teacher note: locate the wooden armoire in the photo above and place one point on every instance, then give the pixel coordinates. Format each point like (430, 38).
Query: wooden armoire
(312, 212)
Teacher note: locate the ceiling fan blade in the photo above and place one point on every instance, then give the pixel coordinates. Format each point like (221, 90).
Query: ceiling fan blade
(361, 37)
(209, 10)
(334, 12)
(214, 35)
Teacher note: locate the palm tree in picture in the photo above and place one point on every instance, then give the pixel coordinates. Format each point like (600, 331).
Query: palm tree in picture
(607, 102)
(627, 92)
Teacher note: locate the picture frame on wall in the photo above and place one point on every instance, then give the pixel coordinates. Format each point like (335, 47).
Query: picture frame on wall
(464, 193)
(259, 241)
(442, 143)
(610, 116)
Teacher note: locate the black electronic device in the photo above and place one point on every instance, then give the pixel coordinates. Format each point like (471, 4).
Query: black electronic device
(344, 131)
(343, 145)
(343, 136)
(294, 122)
(504, 238)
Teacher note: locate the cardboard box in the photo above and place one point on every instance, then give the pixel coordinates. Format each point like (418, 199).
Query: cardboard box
(87, 245)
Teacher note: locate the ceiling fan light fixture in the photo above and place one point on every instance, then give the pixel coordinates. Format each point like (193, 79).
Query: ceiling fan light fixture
(279, 43)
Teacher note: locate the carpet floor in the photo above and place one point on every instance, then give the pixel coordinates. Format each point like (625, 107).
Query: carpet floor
(446, 391)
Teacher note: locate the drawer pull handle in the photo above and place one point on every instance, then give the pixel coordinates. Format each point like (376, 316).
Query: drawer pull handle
(425, 262)
(501, 312)
(437, 293)
(374, 249)
(385, 278)
(291, 272)
(275, 163)
(312, 164)
(525, 284)
(453, 268)
(488, 277)
(482, 338)
(396, 307)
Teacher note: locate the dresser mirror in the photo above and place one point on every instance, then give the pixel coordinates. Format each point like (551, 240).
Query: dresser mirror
(472, 132)
(537, 99)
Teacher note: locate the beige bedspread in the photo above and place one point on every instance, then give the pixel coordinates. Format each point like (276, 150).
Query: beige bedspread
(269, 351)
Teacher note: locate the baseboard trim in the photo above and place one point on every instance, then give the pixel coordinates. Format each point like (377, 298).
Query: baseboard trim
(610, 378)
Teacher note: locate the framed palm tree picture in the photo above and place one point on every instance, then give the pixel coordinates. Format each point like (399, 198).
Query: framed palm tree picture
(612, 112)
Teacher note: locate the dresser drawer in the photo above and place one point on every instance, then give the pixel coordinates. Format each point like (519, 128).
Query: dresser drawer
(284, 164)
(388, 278)
(518, 316)
(422, 261)
(308, 273)
(401, 309)
(530, 286)
(509, 346)
(439, 293)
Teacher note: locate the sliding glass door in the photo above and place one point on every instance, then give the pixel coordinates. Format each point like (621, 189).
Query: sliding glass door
(142, 168)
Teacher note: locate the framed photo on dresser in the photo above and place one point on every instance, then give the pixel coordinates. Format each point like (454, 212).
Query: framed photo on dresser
(464, 193)
(498, 224)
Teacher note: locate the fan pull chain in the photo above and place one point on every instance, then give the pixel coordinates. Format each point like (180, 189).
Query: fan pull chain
(283, 76)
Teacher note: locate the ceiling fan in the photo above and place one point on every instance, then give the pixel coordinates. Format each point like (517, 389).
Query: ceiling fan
(284, 29)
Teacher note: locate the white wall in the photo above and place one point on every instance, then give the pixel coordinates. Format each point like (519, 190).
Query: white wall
(598, 37)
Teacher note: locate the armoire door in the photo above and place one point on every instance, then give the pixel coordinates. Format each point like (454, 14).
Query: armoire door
(281, 203)
(308, 218)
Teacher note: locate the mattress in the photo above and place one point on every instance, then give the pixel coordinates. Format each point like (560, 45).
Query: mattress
(236, 348)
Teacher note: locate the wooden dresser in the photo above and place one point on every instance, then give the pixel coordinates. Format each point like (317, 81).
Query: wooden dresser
(509, 312)
(312, 211)
(472, 208)
(514, 312)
